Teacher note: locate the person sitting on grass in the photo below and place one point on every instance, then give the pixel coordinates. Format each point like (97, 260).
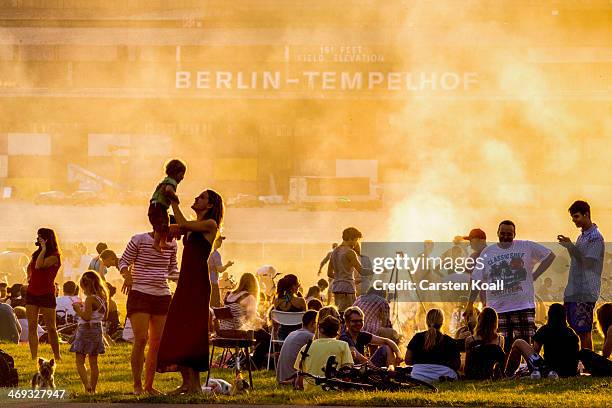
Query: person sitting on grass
(113, 325)
(314, 304)
(16, 296)
(292, 345)
(434, 355)
(561, 345)
(377, 314)
(468, 325)
(323, 285)
(63, 309)
(314, 292)
(485, 357)
(330, 310)
(595, 364)
(314, 360)
(386, 354)
(10, 328)
(20, 312)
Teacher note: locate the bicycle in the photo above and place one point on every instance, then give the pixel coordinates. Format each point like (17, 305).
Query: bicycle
(363, 377)
(328, 383)
(384, 379)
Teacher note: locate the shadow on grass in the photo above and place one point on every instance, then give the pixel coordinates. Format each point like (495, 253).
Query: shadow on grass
(527, 385)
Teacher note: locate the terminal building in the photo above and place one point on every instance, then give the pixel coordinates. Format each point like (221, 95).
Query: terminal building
(99, 93)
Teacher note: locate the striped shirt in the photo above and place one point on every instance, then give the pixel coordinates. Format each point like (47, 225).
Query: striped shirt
(150, 269)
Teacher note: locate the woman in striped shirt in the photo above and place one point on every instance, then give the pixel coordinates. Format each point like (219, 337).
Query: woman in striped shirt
(146, 271)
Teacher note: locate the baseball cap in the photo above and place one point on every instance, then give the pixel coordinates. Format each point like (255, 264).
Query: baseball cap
(476, 233)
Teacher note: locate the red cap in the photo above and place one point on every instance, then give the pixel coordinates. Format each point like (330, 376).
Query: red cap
(476, 233)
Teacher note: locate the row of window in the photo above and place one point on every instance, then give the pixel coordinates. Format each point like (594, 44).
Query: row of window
(100, 4)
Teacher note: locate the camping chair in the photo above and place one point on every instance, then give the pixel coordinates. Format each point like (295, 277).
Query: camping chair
(284, 319)
(231, 341)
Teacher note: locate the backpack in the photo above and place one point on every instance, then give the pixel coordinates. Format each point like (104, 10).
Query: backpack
(8, 372)
(484, 361)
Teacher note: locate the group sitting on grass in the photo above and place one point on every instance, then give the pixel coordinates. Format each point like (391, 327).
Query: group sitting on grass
(553, 351)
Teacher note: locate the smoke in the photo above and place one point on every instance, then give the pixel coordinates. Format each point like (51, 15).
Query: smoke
(517, 147)
(525, 139)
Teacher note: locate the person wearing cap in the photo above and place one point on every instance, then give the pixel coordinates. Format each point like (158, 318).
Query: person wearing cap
(215, 267)
(478, 242)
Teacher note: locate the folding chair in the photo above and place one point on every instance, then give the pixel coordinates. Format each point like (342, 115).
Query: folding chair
(231, 341)
(285, 319)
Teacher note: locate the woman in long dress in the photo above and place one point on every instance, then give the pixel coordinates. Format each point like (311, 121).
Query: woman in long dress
(184, 343)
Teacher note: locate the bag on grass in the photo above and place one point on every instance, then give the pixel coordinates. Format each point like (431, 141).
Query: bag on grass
(8, 372)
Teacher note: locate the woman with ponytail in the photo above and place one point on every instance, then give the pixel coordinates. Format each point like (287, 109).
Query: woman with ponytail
(184, 343)
(433, 354)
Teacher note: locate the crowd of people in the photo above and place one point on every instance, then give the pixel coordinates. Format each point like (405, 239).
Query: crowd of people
(338, 317)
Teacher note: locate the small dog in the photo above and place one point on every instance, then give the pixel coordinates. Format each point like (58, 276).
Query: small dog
(44, 377)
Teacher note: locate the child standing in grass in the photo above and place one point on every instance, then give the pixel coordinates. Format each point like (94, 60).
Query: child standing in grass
(88, 340)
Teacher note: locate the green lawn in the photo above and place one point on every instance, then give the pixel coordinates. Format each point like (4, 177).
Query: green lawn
(115, 386)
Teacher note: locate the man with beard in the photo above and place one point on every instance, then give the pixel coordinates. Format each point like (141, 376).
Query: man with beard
(515, 302)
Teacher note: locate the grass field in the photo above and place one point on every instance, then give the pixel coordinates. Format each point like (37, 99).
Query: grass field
(115, 385)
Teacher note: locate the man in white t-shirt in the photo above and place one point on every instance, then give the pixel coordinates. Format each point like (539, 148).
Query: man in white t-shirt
(508, 267)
